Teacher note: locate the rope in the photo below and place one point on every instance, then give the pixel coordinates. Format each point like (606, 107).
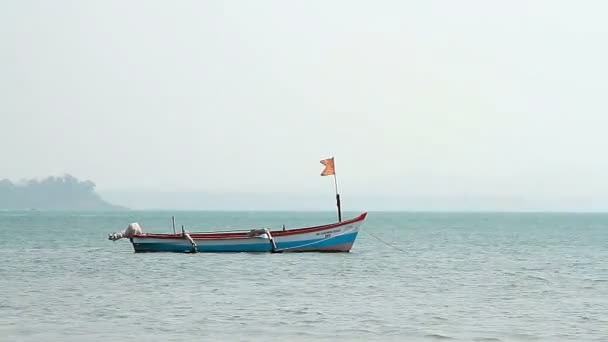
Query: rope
(388, 244)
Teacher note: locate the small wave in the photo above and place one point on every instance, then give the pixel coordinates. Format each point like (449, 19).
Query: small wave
(580, 263)
(438, 337)
(533, 269)
(537, 278)
(487, 339)
(525, 337)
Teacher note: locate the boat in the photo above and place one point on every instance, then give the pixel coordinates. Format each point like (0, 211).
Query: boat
(334, 237)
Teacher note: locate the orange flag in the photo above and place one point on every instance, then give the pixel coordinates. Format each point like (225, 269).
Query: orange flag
(330, 169)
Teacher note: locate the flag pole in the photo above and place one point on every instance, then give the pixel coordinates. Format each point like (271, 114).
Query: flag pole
(337, 199)
(330, 169)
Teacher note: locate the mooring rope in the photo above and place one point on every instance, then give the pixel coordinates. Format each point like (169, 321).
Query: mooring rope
(388, 244)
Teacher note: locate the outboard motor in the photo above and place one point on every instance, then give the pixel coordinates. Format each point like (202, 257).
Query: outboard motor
(132, 229)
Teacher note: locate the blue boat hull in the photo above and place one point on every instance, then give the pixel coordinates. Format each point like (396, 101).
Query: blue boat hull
(337, 237)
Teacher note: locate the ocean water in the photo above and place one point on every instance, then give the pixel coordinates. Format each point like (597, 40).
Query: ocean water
(445, 277)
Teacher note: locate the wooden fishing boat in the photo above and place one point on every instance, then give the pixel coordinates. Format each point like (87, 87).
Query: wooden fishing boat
(335, 237)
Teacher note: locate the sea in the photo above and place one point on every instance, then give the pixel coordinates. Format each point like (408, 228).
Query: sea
(411, 276)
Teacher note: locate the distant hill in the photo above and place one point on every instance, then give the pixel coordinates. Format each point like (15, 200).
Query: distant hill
(52, 193)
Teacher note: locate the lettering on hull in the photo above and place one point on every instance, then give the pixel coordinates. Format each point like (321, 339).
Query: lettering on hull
(329, 233)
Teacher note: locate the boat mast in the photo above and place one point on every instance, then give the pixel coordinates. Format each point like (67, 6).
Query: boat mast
(330, 169)
(338, 199)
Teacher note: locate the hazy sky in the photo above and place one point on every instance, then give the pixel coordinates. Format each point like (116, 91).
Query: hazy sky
(425, 98)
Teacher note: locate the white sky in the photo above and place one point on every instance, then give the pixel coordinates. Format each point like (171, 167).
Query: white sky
(427, 98)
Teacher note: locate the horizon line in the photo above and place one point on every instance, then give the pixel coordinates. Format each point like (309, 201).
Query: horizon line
(480, 211)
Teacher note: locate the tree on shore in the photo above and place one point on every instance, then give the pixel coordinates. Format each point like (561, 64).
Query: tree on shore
(66, 192)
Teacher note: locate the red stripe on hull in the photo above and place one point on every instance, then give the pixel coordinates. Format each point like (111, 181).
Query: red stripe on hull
(275, 233)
